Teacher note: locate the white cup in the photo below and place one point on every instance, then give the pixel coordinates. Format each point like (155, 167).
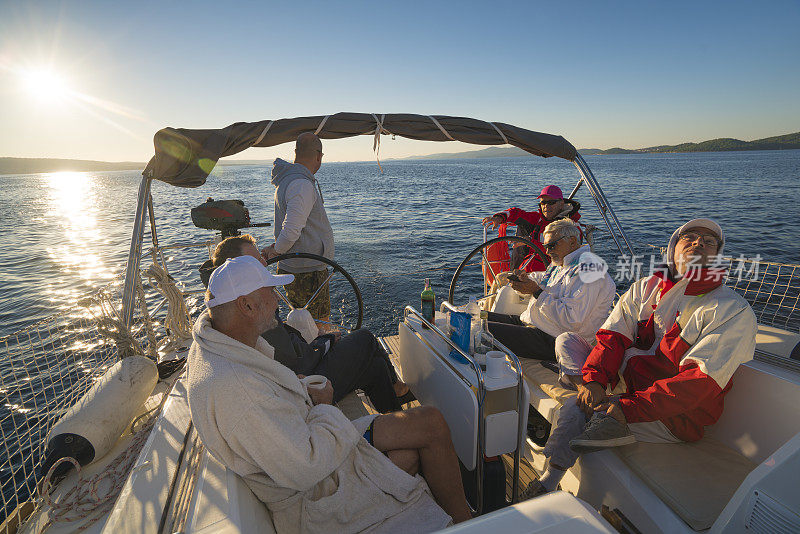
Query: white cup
(495, 364)
(314, 381)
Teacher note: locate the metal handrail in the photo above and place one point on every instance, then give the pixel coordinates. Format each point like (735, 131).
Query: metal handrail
(134, 255)
(602, 203)
(493, 342)
(410, 310)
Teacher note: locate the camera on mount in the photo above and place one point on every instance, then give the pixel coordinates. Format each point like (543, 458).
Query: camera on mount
(227, 216)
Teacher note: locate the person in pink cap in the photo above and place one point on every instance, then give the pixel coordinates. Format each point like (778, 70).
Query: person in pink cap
(531, 224)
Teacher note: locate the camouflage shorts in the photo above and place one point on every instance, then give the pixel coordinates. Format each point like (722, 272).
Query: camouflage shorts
(304, 287)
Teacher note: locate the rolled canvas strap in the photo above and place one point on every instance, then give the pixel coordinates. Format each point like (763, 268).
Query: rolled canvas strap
(441, 128)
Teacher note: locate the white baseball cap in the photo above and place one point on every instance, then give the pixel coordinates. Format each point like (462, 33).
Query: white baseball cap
(241, 276)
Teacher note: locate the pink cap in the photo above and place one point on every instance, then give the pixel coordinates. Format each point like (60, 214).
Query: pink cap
(551, 191)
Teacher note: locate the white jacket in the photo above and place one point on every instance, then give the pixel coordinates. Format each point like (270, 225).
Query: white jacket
(567, 303)
(309, 464)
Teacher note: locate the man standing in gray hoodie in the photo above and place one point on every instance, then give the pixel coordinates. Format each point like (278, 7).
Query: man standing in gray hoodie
(301, 225)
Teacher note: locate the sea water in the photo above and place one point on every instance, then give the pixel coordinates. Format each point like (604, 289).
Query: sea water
(64, 235)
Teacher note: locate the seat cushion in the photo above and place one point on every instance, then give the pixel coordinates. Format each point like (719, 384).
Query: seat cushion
(546, 380)
(540, 377)
(696, 480)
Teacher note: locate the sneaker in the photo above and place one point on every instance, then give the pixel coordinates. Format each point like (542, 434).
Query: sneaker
(534, 489)
(602, 431)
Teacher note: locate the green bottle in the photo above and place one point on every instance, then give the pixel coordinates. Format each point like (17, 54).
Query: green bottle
(428, 302)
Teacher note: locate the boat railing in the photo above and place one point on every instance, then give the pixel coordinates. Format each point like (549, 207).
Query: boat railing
(490, 341)
(47, 366)
(771, 288)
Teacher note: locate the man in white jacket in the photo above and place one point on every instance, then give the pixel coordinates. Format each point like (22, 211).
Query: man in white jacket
(574, 294)
(314, 469)
(676, 338)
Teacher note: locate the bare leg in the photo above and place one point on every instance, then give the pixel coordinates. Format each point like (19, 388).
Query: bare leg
(424, 430)
(405, 459)
(400, 388)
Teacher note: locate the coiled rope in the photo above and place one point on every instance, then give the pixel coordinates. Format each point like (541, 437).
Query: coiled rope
(111, 326)
(178, 322)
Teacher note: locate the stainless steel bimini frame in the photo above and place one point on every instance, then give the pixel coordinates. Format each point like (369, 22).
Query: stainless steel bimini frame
(135, 253)
(602, 204)
(492, 342)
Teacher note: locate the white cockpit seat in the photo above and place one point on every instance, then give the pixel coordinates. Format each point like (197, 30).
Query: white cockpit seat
(778, 342)
(696, 480)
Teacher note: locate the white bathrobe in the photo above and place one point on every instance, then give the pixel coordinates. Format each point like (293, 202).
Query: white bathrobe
(309, 464)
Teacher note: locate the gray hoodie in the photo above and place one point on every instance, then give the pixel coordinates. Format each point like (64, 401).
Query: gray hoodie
(316, 236)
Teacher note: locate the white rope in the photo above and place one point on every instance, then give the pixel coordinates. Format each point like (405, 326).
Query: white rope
(148, 323)
(322, 124)
(110, 326)
(376, 143)
(260, 137)
(505, 139)
(177, 322)
(441, 128)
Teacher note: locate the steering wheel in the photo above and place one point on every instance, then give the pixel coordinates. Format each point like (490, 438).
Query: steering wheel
(481, 249)
(349, 320)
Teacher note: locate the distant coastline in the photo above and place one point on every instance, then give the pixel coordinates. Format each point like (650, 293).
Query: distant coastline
(45, 165)
(37, 165)
(725, 144)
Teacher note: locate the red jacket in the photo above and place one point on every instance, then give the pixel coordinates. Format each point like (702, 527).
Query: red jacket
(677, 346)
(539, 223)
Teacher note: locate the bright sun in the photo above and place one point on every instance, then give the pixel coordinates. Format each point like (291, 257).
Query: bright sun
(45, 85)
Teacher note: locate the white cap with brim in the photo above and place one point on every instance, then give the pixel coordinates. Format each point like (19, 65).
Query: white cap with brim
(241, 276)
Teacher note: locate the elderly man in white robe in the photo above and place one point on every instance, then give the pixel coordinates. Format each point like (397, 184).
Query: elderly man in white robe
(314, 469)
(574, 294)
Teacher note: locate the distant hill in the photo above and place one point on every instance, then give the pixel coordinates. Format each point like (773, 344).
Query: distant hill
(723, 144)
(34, 165)
(779, 142)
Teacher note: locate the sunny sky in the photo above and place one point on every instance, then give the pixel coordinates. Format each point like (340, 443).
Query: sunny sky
(96, 80)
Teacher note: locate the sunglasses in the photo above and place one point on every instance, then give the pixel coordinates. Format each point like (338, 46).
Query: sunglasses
(548, 202)
(708, 240)
(552, 244)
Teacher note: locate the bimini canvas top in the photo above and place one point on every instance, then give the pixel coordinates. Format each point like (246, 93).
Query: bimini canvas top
(185, 157)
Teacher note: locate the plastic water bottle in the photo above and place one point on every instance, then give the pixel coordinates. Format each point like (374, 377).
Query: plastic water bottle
(477, 337)
(428, 302)
(474, 312)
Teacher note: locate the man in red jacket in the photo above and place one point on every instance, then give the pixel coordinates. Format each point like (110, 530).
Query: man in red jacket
(676, 337)
(531, 224)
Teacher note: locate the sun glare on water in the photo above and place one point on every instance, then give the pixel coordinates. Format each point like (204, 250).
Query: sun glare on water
(45, 85)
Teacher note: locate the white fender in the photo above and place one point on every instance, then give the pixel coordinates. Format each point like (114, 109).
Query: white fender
(91, 427)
